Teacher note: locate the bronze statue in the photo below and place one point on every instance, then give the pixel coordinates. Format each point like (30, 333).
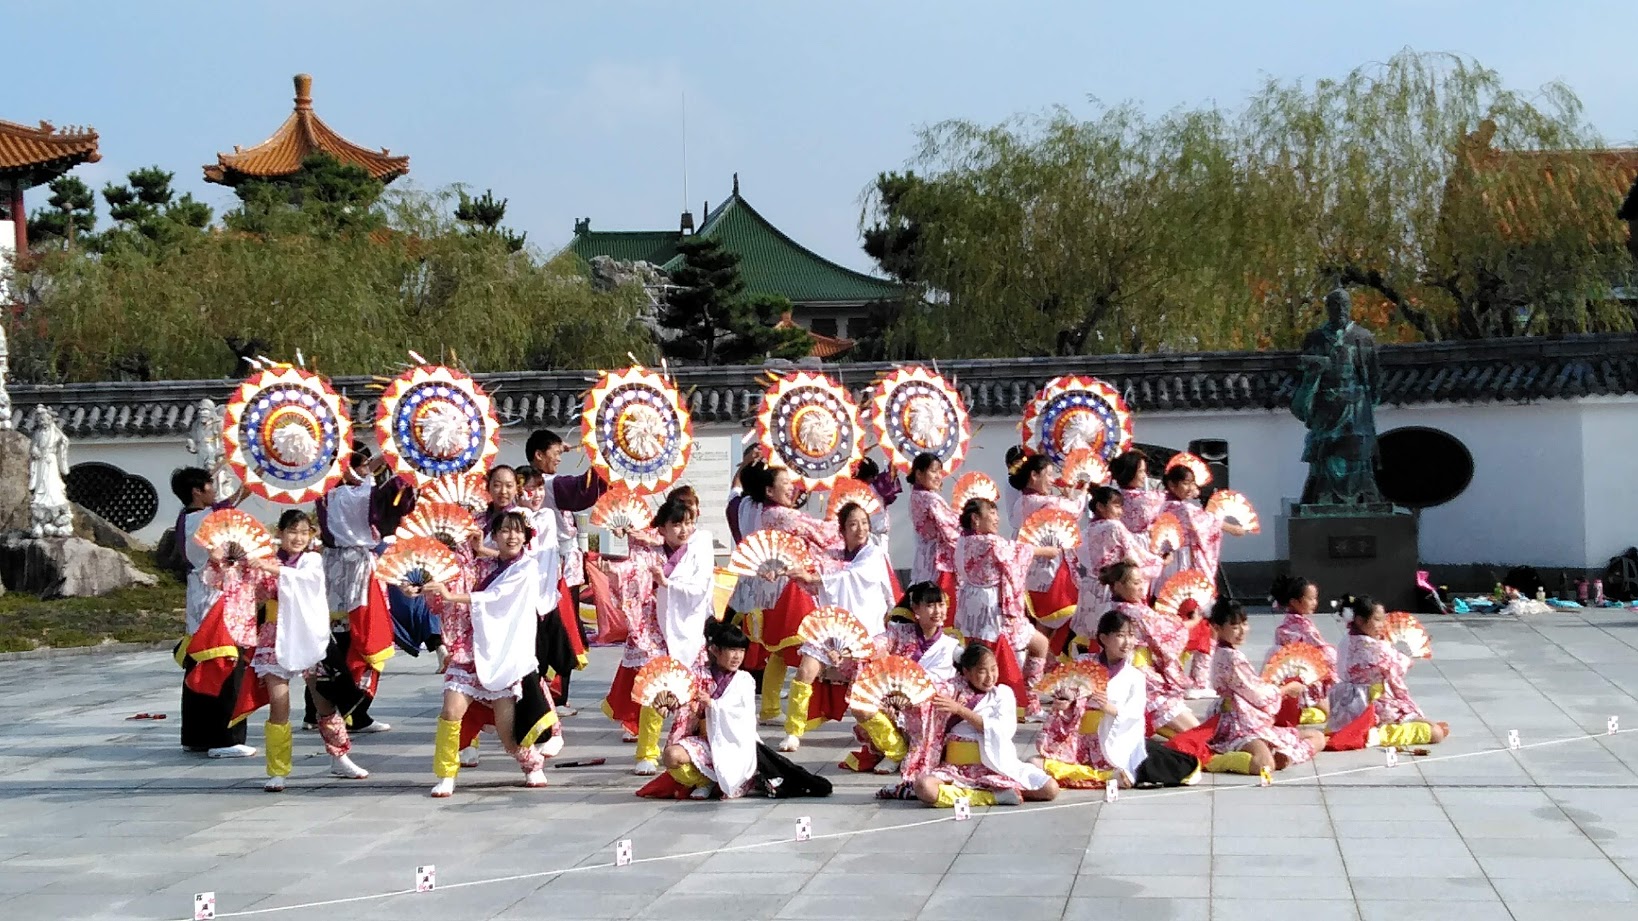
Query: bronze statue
(1336, 399)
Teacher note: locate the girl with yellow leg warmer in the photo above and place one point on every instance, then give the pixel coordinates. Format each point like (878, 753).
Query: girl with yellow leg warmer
(1371, 675)
(293, 637)
(883, 743)
(766, 613)
(1246, 721)
(713, 741)
(672, 620)
(965, 744)
(490, 634)
(1089, 741)
(857, 579)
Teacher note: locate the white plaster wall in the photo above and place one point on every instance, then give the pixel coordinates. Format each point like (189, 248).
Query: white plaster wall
(1609, 440)
(1552, 483)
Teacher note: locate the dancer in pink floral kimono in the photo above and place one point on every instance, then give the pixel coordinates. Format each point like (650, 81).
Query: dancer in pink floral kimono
(1371, 675)
(1035, 476)
(936, 524)
(1246, 720)
(990, 601)
(1140, 504)
(1159, 648)
(1103, 542)
(1202, 549)
(966, 747)
(1298, 599)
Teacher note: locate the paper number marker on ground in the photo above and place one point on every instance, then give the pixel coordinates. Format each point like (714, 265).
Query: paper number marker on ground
(963, 809)
(204, 906)
(1393, 756)
(426, 878)
(1613, 726)
(804, 828)
(1513, 739)
(622, 853)
(1111, 790)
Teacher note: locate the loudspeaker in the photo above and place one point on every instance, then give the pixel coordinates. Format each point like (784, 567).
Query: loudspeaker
(1215, 452)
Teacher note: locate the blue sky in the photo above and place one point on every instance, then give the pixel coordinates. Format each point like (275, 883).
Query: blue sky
(574, 110)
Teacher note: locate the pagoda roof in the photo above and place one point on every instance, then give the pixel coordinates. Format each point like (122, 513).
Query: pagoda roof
(302, 135)
(43, 153)
(770, 262)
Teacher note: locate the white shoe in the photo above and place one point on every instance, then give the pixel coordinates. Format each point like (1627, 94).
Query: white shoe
(1199, 694)
(886, 766)
(535, 778)
(1373, 737)
(444, 787)
(469, 756)
(275, 784)
(552, 746)
(232, 751)
(567, 711)
(343, 766)
(628, 737)
(791, 743)
(377, 726)
(1008, 798)
(646, 768)
(701, 792)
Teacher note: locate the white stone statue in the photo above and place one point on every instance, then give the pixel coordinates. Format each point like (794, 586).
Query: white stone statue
(5, 369)
(49, 512)
(205, 440)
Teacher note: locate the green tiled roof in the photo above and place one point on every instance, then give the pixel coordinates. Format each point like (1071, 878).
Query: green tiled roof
(656, 246)
(769, 261)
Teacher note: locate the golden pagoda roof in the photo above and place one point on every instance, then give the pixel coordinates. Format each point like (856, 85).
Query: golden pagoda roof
(42, 154)
(302, 135)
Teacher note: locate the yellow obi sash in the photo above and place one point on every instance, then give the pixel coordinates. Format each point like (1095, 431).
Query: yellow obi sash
(1089, 722)
(962, 752)
(1142, 658)
(1374, 692)
(270, 611)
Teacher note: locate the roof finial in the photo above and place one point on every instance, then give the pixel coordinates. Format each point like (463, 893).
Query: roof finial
(304, 91)
(736, 183)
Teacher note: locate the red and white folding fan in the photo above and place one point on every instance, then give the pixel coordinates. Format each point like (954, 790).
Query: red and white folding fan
(890, 683)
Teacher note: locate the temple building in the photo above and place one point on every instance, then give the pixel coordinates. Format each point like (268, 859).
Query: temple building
(302, 135)
(826, 298)
(30, 157)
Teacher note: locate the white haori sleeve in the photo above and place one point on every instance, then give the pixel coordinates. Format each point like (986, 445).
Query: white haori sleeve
(999, 708)
(730, 728)
(1121, 736)
(548, 558)
(303, 632)
(503, 625)
(862, 587)
(939, 660)
(685, 603)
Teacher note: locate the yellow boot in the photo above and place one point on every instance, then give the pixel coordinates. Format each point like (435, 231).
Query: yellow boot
(796, 715)
(689, 776)
(886, 737)
(949, 793)
(1230, 763)
(773, 678)
(649, 723)
(280, 753)
(1396, 734)
(446, 747)
(1067, 772)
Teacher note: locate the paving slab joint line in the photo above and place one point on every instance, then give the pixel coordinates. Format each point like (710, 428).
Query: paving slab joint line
(987, 813)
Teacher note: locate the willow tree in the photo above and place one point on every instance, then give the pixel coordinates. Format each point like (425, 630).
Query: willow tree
(352, 302)
(1053, 235)
(1474, 209)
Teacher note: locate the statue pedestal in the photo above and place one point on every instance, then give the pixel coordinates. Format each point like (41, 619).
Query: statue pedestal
(1370, 550)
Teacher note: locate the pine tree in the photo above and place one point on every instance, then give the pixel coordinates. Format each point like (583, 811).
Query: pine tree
(72, 214)
(484, 215)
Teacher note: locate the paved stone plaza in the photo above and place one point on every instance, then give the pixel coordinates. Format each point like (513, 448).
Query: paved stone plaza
(105, 818)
